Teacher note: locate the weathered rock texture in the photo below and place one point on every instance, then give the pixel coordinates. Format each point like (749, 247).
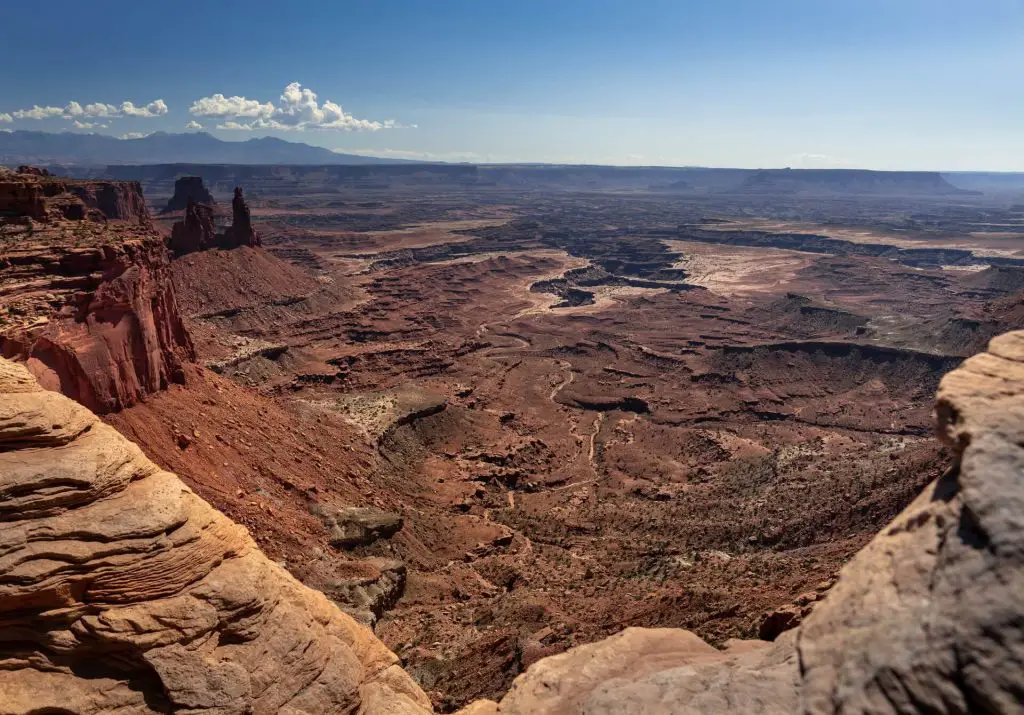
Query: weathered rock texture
(195, 232)
(122, 591)
(241, 232)
(186, 189)
(928, 618)
(34, 194)
(86, 296)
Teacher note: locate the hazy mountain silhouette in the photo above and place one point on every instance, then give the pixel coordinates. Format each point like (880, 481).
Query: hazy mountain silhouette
(27, 147)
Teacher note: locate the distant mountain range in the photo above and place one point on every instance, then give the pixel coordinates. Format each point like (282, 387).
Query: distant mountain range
(24, 147)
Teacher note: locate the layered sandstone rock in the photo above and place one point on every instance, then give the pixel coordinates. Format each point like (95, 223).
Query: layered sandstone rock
(241, 232)
(122, 591)
(33, 193)
(116, 200)
(86, 297)
(928, 618)
(188, 189)
(195, 232)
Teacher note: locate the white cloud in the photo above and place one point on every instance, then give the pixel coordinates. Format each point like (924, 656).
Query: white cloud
(38, 112)
(298, 109)
(79, 124)
(99, 109)
(156, 108)
(73, 111)
(220, 107)
(5, 117)
(810, 160)
(134, 135)
(235, 126)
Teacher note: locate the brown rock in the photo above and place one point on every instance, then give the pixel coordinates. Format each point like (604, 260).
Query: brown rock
(122, 591)
(780, 620)
(241, 232)
(194, 232)
(352, 526)
(188, 189)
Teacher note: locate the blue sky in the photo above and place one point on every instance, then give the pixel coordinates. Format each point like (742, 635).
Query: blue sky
(886, 84)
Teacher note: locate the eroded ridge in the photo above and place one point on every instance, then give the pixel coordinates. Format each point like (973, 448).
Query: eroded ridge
(122, 591)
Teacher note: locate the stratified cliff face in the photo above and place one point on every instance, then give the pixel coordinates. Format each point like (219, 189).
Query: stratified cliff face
(927, 618)
(86, 296)
(121, 591)
(116, 200)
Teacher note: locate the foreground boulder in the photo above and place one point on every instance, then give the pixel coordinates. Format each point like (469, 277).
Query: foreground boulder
(122, 591)
(927, 618)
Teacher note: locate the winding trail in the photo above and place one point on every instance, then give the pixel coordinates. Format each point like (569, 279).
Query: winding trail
(598, 422)
(565, 365)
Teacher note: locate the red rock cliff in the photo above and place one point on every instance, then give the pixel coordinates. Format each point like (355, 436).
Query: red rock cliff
(86, 297)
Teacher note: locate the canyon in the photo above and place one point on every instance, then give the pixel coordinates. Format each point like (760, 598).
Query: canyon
(499, 422)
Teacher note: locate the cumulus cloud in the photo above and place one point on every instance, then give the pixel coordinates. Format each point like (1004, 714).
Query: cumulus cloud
(5, 117)
(73, 111)
(218, 106)
(237, 126)
(79, 124)
(134, 135)
(193, 125)
(156, 108)
(298, 109)
(38, 112)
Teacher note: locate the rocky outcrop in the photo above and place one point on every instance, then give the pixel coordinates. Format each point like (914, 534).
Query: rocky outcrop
(122, 591)
(660, 671)
(88, 304)
(241, 232)
(116, 200)
(195, 231)
(188, 189)
(21, 197)
(927, 618)
(31, 193)
(352, 526)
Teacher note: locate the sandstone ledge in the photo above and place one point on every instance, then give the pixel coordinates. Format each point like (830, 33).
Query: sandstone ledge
(122, 591)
